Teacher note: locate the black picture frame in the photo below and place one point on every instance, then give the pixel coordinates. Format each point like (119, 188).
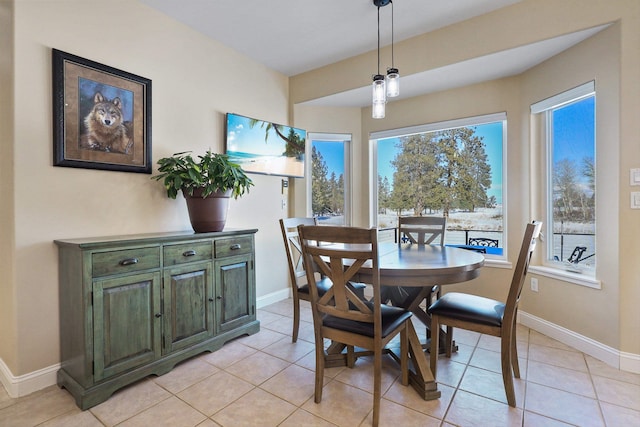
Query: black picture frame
(101, 116)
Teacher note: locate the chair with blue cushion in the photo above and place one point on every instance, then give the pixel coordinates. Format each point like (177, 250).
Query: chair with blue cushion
(340, 315)
(487, 316)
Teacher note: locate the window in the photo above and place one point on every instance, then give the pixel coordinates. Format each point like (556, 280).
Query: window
(569, 123)
(329, 183)
(452, 169)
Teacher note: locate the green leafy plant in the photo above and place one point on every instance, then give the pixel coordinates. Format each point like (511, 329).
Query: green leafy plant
(211, 172)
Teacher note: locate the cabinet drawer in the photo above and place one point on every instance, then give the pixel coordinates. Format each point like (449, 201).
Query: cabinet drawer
(116, 262)
(188, 252)
(233, 246)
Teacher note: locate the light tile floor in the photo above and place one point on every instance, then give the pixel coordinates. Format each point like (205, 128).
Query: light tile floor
(265, 380)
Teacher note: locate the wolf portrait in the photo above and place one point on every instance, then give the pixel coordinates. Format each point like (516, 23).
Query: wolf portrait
(105, 128)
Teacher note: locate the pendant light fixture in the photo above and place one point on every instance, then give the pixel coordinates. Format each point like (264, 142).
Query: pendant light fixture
(384, 87)
(393, 77)
(379, 85)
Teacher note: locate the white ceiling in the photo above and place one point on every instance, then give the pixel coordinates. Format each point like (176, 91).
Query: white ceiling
(294, 36)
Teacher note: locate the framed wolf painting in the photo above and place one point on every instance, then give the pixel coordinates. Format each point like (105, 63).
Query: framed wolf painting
(101, 116)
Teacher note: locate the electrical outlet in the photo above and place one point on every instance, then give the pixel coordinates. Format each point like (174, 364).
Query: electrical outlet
(534, 284)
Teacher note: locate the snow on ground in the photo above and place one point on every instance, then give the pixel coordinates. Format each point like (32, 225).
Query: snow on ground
(487, 222)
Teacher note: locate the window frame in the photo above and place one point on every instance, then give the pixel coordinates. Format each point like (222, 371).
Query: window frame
(543, 110)
(346, 139)
(493, 260)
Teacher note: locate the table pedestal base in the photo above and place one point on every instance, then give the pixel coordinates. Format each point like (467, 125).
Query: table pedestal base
(420, 376)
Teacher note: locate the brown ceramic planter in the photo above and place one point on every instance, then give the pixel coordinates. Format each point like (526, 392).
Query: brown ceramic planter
(208, 214)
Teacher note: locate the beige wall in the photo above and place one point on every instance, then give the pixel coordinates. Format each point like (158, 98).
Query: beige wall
(54, 202)
(608, 316)
(7, 279)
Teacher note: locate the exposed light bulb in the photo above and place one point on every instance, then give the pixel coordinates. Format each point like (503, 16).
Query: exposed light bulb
(379, 89)
(393, 82)
(378, 110)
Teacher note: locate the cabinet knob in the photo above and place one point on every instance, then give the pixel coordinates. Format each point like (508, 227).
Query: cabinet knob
(235, 247)
(210, 299)
(219, 297)
(129, 261)
(158, 314)
(188, 253)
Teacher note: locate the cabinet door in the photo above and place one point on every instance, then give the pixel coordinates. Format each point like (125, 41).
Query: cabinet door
(126, 323)
(235, 299)
(188, 305)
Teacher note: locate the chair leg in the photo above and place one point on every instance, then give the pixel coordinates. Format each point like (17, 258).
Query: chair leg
(319, 369)
(377, 384)
(404, 355)
(449, 345)
(507, 379)
(434, 349)
(515, 365)
(296, 318)
(351, 357)
(435, 291)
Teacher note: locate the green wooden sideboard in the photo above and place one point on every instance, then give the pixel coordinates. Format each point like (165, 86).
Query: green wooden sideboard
(136, 305)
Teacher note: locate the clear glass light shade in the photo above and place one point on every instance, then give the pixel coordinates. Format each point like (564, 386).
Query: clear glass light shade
(379, 89)
(378, 109)
(393, 82)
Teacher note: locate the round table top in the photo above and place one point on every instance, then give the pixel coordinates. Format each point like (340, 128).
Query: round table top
(423, 265)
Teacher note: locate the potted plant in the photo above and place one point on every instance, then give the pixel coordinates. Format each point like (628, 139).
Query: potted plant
(206, 183)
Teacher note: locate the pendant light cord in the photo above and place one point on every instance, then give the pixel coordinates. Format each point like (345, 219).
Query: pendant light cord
(392, 64)
(378, 39)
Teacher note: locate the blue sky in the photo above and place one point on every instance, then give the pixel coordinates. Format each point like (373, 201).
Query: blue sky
(242, 138)
(333, 155)
(573, 131)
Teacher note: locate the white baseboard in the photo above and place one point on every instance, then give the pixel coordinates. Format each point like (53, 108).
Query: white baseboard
(630, 362)
(619, 360)
(28, 383)
(273, 297)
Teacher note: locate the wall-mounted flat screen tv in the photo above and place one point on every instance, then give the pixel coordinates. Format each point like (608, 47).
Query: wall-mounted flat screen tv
(265, 147)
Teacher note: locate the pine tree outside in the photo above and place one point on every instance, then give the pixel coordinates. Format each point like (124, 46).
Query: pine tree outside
(454, 172)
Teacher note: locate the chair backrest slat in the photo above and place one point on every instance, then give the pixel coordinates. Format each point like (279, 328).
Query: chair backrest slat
(531, 235)
(340, 255)
(289, 228)
(422, 230)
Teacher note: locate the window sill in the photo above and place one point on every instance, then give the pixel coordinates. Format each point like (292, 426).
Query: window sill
(566, 276)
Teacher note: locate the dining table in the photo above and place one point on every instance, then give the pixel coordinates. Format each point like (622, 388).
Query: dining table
(421, 266)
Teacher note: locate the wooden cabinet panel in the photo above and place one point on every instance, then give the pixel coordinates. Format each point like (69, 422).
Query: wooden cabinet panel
(188, 292)
(234, 294)
(126, 323)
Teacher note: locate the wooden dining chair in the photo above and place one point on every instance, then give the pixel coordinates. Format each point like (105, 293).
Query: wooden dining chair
(340, 315)
(297, 273)
(420, 230)
(487, 316)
